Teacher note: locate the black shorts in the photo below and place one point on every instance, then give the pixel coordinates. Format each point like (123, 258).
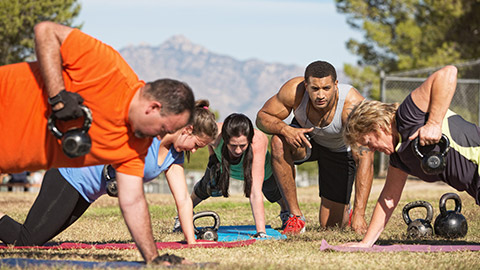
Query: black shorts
(207, 187)
(336, 171)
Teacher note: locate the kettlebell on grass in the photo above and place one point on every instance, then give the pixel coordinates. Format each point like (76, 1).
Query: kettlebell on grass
(451, 223)
(75, 142)
(418, 228)
(207, 233)
(433, 162)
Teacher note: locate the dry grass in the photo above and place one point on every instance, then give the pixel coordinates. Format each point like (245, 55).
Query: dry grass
(102, 223)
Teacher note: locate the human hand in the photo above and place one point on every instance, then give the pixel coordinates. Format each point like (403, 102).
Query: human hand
(359, 225)
(296, 137)
(261, 235)
(169, 259)
(355, 244)
(66, 105)
(428, 134)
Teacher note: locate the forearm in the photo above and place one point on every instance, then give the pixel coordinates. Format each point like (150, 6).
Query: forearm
(185, 215)
(48, 39)
(269, 123)
(443, 88)
(137, 219)
(363, 183)
(258, 211)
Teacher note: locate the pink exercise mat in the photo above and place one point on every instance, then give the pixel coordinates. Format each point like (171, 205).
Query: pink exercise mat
(395, 248)
(160, 245)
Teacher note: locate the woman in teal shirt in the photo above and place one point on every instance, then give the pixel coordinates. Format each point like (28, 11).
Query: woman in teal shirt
(243, 157)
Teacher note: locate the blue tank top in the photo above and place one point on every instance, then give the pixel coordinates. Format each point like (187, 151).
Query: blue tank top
(90, 183)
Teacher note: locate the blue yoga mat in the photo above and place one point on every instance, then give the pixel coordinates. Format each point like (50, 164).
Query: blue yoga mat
(26, 263)
(244, 232)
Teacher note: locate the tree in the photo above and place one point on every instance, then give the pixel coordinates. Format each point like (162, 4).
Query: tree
(411, 34)
(17, 19)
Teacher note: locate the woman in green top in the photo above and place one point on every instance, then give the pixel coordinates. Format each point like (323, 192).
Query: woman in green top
(243, 157)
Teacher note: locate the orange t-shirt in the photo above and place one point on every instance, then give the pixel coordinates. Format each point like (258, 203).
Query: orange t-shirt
(106, 82)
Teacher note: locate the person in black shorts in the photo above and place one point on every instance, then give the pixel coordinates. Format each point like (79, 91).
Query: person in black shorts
(423, 121)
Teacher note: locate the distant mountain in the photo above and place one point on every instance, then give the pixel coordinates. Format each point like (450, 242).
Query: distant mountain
(230, 85)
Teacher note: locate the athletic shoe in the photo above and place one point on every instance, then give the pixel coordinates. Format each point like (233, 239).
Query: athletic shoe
(284, 216)
(295, 225)
(177, 226)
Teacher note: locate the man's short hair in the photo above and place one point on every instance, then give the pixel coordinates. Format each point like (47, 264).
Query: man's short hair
(320, 69)
(175, 96)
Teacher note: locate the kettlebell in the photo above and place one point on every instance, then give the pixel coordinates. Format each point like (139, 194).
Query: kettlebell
(433, 162)
(207, 233)
(75, 142)
(418, 228)
(450, 224)
(109, 175)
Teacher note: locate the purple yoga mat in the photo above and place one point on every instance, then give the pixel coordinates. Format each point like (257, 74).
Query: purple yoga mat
(395, 248)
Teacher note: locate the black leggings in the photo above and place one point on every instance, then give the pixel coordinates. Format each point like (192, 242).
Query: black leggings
(58, 205)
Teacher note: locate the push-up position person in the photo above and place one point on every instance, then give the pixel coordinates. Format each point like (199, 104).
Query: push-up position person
(126, 113)
(320, 106)
(66, 193)
(240, 152)
(393, 129)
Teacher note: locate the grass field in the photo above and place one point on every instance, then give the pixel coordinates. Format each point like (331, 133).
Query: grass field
(102, 223)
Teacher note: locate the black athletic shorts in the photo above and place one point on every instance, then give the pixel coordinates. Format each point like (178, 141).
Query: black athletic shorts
(206, 187)
(336, 171)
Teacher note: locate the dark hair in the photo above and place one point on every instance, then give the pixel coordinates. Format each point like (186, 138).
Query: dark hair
(176, 97)
(235, 125)
(320, 69)
(203, 122)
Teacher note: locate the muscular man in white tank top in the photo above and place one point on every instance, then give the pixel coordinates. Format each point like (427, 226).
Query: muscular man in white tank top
(321, 107)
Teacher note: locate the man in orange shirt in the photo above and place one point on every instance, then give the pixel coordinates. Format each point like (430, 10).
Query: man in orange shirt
(73, 69)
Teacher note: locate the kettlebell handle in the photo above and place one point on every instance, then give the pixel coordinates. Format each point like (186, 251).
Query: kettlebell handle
(202, 214)
(87, 122)
(448, 196)
(444, 144)
(415, 204)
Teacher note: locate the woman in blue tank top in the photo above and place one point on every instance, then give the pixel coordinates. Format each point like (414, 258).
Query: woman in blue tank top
(66, 193)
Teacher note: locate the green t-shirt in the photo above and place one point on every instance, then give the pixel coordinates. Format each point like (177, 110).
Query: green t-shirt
(236, 170)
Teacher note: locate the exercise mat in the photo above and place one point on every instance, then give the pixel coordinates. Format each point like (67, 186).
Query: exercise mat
(395, 248)
(245, 232)
(160, 245)
(29, 263)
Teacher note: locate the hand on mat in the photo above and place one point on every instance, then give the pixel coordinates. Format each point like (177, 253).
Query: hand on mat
(358, 224)
(355, 244)
(261, 235)
(170, 259)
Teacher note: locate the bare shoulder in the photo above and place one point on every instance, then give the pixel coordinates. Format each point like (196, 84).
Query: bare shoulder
(260, 140)
(61, 31)
(292, 91)
(353, 98)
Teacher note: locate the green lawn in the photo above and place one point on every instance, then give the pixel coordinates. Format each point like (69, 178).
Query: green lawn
(103, 223)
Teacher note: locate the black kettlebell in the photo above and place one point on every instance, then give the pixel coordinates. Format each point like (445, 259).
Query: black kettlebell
(450, 224)
(75, 142)
(109, 175)
(207, 233)
(433, 162)
(418, 228)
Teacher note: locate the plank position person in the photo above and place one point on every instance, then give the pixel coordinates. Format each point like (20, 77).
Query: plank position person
(239, 152)
(320, 106)
(424, 115)
(126, 113)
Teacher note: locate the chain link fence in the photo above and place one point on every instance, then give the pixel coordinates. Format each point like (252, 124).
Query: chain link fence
(466, 101)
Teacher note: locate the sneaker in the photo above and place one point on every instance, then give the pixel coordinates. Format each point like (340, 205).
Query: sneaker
(177, 227)
(294, 225)
(284, 216)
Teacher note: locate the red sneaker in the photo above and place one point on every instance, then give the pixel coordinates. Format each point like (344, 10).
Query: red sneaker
(294, 225)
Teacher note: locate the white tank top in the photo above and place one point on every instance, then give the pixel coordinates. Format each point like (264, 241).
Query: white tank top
(329, 136)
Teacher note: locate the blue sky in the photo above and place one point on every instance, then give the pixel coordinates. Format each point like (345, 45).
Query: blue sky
(280, 31)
